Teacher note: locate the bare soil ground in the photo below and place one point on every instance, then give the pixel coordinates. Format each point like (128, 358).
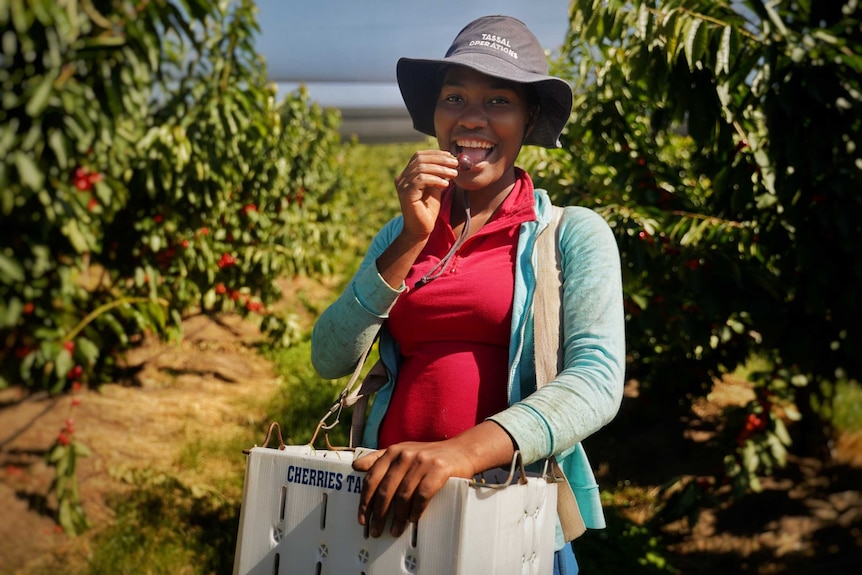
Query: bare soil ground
(206, 386)
(807, 519)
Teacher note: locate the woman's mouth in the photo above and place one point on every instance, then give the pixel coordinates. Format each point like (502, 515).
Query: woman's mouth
(472, 152)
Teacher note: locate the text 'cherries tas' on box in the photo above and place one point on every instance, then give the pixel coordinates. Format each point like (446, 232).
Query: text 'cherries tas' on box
(299, 516)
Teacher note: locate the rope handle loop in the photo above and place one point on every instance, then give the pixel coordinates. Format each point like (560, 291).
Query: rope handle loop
(346, 398)
(272, 427)
(517, 465)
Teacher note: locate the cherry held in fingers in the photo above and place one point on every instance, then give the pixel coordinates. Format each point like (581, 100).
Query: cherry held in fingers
(465, 164)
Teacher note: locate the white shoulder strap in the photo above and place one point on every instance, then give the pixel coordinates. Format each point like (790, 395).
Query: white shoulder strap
(546, 303)
(546, 326)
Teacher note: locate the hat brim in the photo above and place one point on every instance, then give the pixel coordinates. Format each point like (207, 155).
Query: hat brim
(419, 81)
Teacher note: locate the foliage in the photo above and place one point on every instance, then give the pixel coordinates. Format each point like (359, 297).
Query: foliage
(63, 457)
(693, 133)
(145, 531)
(146, 171)
(372, 169)
(847, 415)
(623, 547)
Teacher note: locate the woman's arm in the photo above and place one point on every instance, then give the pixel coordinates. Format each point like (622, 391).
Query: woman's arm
(349, 325)
(586, 395)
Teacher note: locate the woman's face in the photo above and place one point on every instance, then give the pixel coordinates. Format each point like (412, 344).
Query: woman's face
(485, 118)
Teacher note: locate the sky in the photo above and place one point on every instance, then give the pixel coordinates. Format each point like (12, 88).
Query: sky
(345, 51)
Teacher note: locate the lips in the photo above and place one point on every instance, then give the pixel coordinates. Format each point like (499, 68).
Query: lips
(476, 150)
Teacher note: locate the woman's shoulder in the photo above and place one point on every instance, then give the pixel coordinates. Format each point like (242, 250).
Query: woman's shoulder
(581, 215)
(582, 224)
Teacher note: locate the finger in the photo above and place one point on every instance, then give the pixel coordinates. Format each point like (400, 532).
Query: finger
(403, 502)
(396, 479)
(371, 500)
(380, 501)
(366, 460)
(441, 164)
(430, 485)
(442, 157)
(421, 481)
(418, 182)
(375, 467)
(442, 167)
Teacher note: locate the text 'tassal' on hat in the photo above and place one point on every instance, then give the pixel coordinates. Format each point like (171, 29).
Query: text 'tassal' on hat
(499, 46)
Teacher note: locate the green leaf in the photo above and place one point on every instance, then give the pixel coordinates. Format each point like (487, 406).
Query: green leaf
(7, 199)
(64, 517)
(643, 20)
(63, 363)
(11, 313)
(57, 142)
(778, 451)
(39, 99)
(781, 432)
(29, 172)
(754, 483)
(104, 192)
(88, 349)
(723, 56)
(10, 270)
(116, 327)
(157, 314)
(749, 457)
(21, 17)
(81, 450)
(775, 18)
(57, 453)
(693, 47)
(73, 232)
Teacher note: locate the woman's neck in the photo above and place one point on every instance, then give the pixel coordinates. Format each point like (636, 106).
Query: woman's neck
(483, 205)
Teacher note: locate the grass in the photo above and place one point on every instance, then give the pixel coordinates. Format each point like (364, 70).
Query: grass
(304, 398)
(847, 407)
(167, 526)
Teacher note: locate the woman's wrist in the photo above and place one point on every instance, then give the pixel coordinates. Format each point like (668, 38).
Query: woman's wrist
(486, 446)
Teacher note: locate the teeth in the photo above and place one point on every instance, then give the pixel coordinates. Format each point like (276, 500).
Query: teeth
(474, 144)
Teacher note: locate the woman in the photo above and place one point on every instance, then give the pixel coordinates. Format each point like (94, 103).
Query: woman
(448, 286)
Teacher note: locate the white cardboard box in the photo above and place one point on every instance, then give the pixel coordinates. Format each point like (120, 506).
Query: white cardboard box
(299, 512)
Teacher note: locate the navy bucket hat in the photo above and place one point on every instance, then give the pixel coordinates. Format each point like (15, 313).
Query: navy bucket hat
(499, 46)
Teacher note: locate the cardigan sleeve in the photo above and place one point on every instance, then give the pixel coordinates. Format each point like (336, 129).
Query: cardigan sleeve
(349, 325)
(587, 393)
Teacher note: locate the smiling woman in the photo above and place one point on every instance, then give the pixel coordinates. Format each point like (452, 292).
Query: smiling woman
(449, 285)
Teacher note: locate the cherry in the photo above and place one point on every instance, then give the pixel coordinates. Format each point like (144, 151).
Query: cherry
(464, 162)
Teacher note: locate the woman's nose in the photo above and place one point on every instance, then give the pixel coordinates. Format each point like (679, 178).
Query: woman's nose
(473, 116)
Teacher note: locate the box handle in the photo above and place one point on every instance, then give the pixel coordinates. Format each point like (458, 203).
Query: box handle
(272, 427)
(517, 464)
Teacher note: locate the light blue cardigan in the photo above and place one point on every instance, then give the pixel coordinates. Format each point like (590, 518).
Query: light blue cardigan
(584, 397)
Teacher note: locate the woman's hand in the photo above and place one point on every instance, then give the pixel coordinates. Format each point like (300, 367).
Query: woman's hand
(419, 187)
(401, 479)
